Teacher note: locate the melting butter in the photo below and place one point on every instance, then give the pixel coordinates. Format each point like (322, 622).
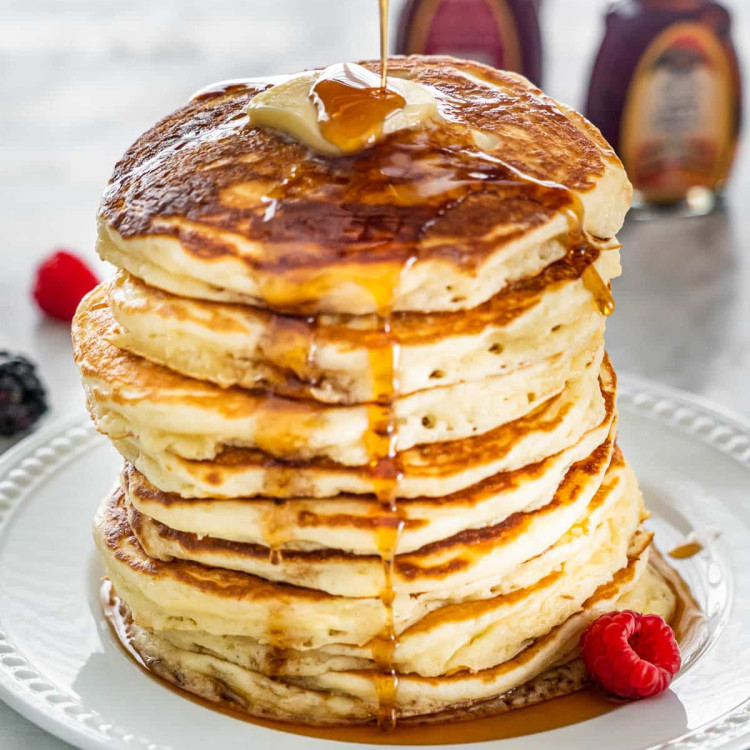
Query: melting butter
(344, 103)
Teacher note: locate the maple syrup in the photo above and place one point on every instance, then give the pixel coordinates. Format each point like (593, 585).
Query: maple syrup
(384, 7)
(275, 556)
(381, 442)
(599, 290)
(685, 551)
(579, 244)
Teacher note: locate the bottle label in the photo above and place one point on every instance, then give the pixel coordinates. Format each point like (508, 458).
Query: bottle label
(482, 30)
(678, 122)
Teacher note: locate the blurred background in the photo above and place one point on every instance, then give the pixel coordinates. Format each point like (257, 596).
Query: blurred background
(81, 79)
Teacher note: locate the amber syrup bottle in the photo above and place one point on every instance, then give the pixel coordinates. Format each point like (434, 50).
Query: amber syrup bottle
(666, 93)
(501, 33)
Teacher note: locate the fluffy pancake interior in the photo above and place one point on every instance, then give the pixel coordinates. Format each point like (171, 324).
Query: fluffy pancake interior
(237, 345)
(197, 420)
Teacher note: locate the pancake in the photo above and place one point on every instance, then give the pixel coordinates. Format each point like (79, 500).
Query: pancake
(431, 470)
(351, 522)
(328, 358)
(163, 410)
(433, 219)
(468, 556)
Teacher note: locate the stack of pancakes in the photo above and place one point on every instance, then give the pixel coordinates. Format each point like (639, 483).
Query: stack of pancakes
(368, 424)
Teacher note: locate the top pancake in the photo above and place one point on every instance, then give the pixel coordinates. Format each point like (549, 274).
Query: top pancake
(430, 219)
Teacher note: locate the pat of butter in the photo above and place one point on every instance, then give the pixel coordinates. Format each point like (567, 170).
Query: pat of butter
(288, 107)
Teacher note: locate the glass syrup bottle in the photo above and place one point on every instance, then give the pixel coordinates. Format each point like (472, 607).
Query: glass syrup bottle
(501, 33)
(665, 91)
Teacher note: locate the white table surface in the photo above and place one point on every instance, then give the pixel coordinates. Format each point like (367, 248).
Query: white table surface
(81, 79)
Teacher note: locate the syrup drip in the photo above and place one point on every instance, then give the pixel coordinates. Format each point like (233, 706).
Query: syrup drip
(381, 442)
(684, 551)
(275, 530)
(291, 344)
(599, 290)
(579, 242)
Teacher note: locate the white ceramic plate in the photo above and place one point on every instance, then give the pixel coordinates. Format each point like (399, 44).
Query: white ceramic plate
(60, 668)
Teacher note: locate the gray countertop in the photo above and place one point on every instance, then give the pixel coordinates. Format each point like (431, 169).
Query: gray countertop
(81, 79)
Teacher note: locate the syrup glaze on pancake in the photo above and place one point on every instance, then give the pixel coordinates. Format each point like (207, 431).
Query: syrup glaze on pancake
(304, 227)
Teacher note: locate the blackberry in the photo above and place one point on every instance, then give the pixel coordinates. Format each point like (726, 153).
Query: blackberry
(22, 396)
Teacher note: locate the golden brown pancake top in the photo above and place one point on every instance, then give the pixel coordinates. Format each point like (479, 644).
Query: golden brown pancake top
(204, 168)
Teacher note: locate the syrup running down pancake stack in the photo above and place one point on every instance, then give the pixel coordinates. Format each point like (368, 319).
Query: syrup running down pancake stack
(369, 427)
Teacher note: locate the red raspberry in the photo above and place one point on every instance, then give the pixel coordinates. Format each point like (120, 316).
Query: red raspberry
(631, 655)
(61, 282)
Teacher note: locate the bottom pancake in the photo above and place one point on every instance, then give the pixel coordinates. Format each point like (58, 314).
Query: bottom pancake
(546, 668)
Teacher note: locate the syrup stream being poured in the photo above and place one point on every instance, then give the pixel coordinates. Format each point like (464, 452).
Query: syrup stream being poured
(351, 112)
(383, 44)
